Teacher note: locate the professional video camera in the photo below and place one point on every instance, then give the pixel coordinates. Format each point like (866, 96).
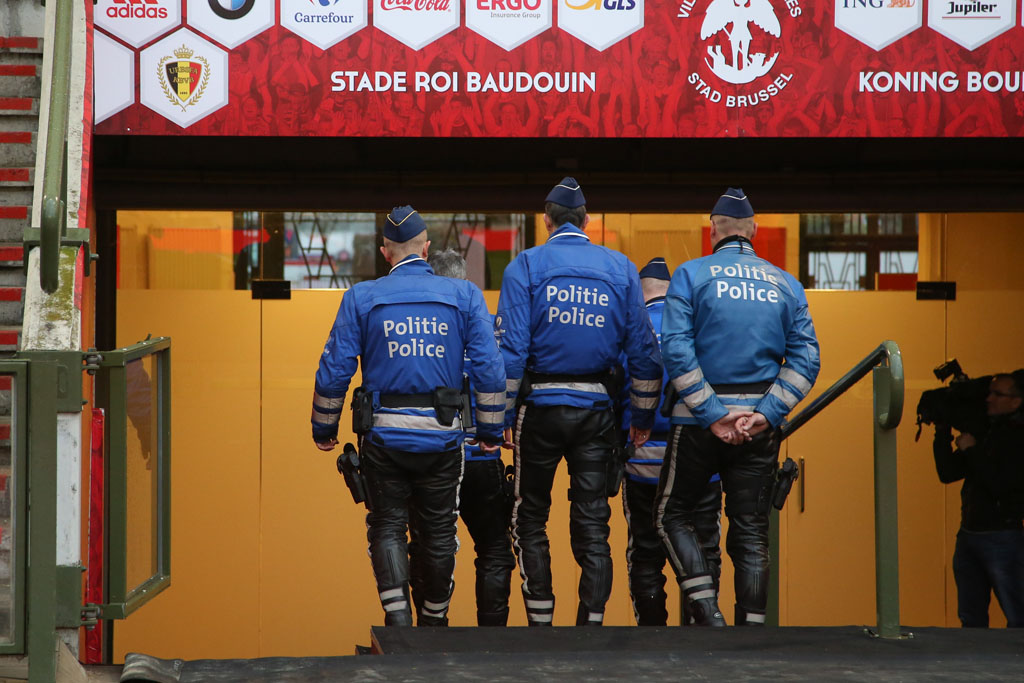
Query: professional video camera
(960, 405)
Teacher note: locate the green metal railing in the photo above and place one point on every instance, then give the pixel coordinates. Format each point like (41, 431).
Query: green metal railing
(886, 365)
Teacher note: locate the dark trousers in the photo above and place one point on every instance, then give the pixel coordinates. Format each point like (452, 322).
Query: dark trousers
(425, 485)
(543, 436)
(985, 562)
(645, 552)
(693, 455)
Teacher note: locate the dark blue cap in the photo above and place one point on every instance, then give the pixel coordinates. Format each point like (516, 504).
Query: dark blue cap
(733, 203)
(567, 193)
(656, 269)
(403, 223)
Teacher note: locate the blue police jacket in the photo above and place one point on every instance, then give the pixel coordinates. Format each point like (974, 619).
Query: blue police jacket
(411, 330)
(736, 334)
(475, 453)
(569, 307)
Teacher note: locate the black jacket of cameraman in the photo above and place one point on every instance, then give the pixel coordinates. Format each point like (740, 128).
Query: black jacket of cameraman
(992, 497)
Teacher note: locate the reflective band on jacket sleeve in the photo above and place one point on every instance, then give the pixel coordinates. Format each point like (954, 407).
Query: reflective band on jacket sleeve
(680, 410)
(325, 403)
(799, 382)
(490, 417)
(326, 418)
(643, 402)
(490, 399)
(646, 452)
(687, 380)
(786, 396)
(696, 398)
(646, 385)
(585, 387)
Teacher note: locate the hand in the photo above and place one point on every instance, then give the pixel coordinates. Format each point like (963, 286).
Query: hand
(965, 441)
(639, 436)
(326, 445)
(753, 425)
(725, 428)
(508, 439)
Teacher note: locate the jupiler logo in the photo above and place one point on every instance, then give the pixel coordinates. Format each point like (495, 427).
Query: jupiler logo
(183, 79)
(741, 41)
(741, 66)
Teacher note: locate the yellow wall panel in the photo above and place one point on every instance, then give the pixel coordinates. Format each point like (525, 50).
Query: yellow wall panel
(211, 608)
(983, 251)
(829, 558)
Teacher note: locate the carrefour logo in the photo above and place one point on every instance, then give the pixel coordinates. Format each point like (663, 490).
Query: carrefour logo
(607, 4)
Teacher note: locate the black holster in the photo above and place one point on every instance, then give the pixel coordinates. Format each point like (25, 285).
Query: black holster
(468, 418)
(617, 467)
(362, 411)
(787, 473)
(348, 466)
(671, 397)
(447, 404)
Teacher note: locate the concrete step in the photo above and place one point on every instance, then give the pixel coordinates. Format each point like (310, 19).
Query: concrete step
(12, 275)
(10, 337)
(17, 177)
(17, 149)
(21, 45)
(12, 305)
(19, 106)
(23, 58)
(19, 123)
(19, 80)
(13, 229)
(14, 197)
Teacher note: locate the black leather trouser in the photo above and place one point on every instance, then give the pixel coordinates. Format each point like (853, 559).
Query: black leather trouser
(693, 455)
(425, 485)
(645, 551)
(543, 435)
(485, 507)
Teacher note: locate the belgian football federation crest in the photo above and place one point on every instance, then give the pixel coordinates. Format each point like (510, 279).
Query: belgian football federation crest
(184, 77)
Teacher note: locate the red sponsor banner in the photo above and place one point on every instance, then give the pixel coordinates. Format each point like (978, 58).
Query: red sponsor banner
(569, 68)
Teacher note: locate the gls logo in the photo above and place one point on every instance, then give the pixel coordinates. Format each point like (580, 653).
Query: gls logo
(138, 9)
(231, 9)
(607, 4)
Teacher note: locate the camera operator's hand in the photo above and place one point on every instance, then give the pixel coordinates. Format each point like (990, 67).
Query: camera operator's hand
(965, 441)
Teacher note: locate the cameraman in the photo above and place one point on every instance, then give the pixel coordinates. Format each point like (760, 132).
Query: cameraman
(989, 551)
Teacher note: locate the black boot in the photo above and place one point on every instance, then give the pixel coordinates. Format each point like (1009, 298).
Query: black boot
(703, 600)
(492, 618)
(745, 617)
(585, 617)
(650, 610)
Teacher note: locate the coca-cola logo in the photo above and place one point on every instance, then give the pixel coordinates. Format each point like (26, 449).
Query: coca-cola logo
(417, 5)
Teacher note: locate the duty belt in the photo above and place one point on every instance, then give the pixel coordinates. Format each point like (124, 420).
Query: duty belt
(407, 400)
(751, 388)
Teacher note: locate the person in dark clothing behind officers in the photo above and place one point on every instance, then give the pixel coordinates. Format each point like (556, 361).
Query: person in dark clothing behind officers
(568, 308)
(484, 505)
(411, 331)
(740, 349)
(645, 553)
(989, 554)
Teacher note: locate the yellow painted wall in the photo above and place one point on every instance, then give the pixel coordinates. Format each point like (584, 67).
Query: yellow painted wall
(176, 249)
(269, 553)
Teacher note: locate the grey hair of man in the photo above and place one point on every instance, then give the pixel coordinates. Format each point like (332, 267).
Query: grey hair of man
(653, 287)
(448, 263)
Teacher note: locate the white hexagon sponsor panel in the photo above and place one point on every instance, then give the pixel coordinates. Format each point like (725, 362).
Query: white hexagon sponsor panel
(230, 22)
(879, 23)
(137, 22)
(183, 77)
(600, 23)
(972, 24)
(509, 23)
(113, 80)
(416, 23)
(324, 22)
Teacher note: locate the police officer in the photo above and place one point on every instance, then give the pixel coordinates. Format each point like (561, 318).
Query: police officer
(484, 505)
(567, 310)
(411, 331)
(740, 349)
(645, 553)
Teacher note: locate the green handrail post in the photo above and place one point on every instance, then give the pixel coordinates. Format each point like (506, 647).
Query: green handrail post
(54, 214)
(887, 381)
(42, 542)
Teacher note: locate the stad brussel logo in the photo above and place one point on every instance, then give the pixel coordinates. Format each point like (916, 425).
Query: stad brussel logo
(743, 61)
(183, 78)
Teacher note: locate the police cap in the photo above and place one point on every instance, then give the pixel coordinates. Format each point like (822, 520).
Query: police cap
(656, 269)
(567, 193)
(403, 223)
(733, 203)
